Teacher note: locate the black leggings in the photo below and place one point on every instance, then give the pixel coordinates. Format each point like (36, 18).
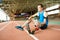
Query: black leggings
(44, 26)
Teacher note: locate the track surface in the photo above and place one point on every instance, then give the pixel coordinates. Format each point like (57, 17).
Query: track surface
(9, 32)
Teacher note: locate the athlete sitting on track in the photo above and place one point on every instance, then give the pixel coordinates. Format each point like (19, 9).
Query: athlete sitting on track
(42, 23)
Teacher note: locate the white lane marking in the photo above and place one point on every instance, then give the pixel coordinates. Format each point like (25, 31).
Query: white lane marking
(5, 26)
(31, 35)
(35, 38)
(55, 29)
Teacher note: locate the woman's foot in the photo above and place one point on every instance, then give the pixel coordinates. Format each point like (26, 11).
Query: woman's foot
(20, 28)
(33, 32)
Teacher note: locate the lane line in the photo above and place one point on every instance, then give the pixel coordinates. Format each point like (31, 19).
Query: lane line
(56, 29)
(2, 24)
(35, 38)
(5, 26)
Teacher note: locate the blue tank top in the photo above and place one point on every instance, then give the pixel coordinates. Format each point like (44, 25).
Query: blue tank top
(41, 17)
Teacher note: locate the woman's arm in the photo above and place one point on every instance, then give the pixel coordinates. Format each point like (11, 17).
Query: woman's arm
(33, 16)
(45, 16)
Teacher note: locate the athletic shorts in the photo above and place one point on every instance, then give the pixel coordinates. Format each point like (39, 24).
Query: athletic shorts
(41, 26)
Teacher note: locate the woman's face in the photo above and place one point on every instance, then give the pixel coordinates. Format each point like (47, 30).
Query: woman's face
(39, 8)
